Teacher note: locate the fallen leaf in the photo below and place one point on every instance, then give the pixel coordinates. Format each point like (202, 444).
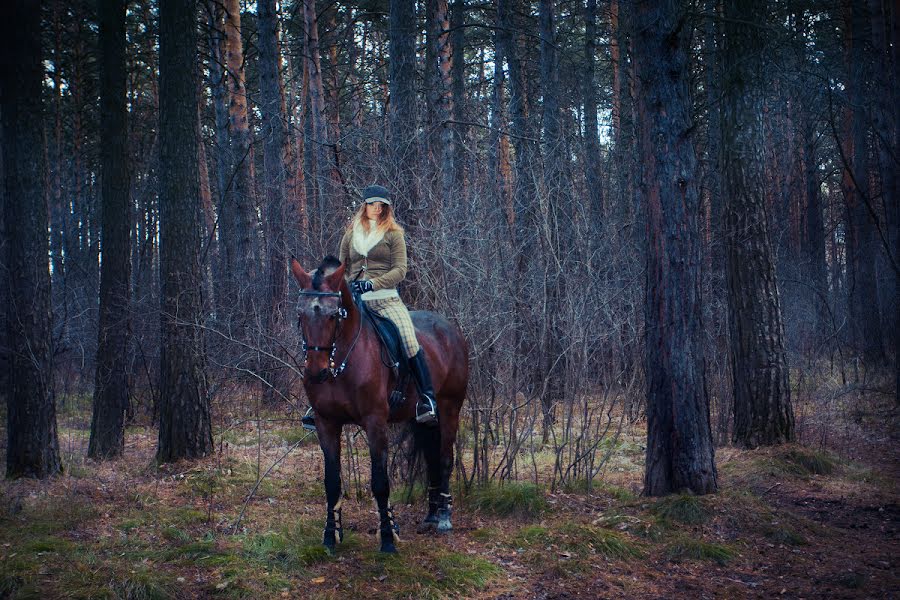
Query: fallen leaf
(318, 580)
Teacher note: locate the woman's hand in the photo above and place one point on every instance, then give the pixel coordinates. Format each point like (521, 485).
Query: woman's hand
(362, 286)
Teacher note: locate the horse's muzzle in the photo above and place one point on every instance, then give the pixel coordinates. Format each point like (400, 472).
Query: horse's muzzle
(320, 377)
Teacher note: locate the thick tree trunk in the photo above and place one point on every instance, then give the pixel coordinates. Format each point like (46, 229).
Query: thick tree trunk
(32, 447)
(241, 263)
(679, 441)
(273, 134)
(185, 427)
(111, 383)
(762, 401)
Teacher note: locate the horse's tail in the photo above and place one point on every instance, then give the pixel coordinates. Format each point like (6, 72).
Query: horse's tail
(417, 442)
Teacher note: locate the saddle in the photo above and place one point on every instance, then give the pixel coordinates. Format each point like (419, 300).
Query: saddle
(392, 354)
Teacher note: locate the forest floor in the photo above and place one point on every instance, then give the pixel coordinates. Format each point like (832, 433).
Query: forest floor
(792, 522)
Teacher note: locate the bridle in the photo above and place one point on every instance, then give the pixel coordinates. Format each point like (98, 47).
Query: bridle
(340, 315)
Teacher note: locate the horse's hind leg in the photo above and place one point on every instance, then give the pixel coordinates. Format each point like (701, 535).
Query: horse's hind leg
(330, 442)
(449, 424)
(388, 532)
(428, 441)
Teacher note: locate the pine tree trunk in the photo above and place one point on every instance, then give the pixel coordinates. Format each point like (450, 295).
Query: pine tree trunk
(111, 383)
(273, 134)
(762, 401)
(185, 428)
(402, 111)
(458, 89)
(443, 99)
(240, 198)
(32, 448)
(680, 451)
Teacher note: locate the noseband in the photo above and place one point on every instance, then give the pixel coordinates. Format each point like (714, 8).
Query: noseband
(341, 314)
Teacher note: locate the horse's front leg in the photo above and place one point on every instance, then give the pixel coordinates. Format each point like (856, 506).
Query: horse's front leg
(388, 532)
(330, 442)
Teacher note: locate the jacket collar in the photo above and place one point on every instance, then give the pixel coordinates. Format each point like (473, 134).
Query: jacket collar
(364, 242)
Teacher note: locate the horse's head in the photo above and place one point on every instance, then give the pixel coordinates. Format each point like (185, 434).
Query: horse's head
(322, 304)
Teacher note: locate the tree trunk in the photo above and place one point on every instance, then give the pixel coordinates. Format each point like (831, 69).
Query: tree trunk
(762, 401)
(862, 245)
(443, 99)
(402, 109)
(185, 428)
(273, 134)
(111, 383)
(241, 266)
(32, 447)
(458, 89)
(680, 451)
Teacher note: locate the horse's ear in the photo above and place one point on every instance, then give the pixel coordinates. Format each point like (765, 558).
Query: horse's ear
(300, 275)
(334, 280)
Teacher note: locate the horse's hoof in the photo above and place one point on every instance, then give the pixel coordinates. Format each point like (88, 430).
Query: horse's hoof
(329, 549)
(444, 526)
(389, 548)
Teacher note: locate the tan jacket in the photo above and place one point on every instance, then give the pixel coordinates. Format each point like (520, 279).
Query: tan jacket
(385, 265)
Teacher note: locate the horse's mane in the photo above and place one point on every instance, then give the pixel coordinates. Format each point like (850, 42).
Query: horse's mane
(328, 266)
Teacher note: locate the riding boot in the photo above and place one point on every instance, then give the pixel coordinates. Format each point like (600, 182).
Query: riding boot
(309, 420)
(426, 408)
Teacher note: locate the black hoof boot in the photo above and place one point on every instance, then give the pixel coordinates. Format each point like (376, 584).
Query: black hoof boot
(388, 533)
(308, 421)
(444, 513)
(334, 531)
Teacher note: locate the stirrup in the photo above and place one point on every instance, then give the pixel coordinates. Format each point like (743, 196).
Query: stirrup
(425, 411)
(309, 420)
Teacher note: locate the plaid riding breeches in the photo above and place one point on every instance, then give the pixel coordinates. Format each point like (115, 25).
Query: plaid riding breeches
(396, 311)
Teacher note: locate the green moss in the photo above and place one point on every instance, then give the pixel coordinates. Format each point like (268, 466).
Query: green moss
(48, 544)
(514, 498)
(689, 548)
(681, 508)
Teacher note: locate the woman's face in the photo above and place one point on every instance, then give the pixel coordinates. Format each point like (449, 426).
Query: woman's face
(373, 210)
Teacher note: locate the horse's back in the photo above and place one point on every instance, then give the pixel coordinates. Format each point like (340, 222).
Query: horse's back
(445, 346)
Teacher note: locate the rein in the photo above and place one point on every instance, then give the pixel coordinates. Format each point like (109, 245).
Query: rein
(340, 315)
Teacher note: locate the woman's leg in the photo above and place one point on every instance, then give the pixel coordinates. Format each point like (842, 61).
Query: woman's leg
(396, 311)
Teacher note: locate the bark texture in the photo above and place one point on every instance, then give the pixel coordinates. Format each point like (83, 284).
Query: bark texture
(762, 401)
(185, 428)
(111, 382)
(680, 452)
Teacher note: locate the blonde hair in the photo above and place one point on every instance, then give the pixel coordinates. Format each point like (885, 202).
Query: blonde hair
(386, 220)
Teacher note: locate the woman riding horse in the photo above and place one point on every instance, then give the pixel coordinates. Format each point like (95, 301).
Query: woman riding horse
(373, 251)
(347, 382)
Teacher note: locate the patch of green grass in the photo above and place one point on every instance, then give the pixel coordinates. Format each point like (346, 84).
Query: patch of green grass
(689, 548)
(176, 535)
(428, 575)
(580, 486)
(529, 536)
(587, 539)
(485, 534)
(143, 584)
(292, 435)
(48, 544)
(681, 508)
(804, 461)
(513, 498)
(300, 546)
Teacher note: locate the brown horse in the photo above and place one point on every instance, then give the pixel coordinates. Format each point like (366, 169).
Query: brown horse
(348, 383)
